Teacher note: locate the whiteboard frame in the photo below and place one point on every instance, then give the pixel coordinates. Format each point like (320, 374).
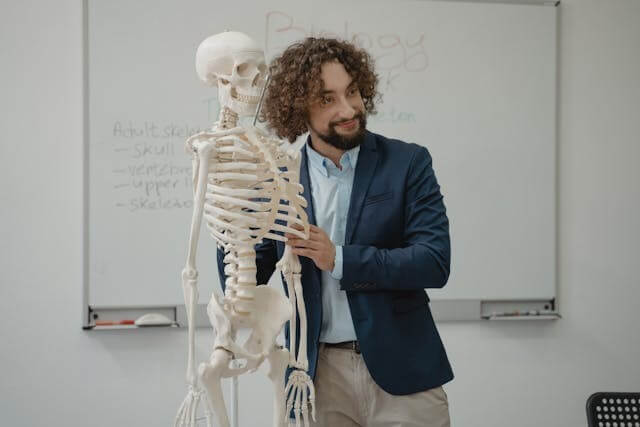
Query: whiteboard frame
(442, 309)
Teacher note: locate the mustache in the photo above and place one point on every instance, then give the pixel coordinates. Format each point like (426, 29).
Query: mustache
(357, 116)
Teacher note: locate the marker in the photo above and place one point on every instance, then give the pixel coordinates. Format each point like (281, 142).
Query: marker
(114, 322)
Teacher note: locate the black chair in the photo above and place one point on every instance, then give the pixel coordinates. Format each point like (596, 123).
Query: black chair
(613, 410)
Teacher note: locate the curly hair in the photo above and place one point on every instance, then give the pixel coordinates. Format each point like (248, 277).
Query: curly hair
(295, 82)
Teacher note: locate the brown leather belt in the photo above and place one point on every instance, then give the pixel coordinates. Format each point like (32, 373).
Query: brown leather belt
(346, 345)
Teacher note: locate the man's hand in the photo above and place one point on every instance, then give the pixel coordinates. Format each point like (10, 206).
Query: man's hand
(318, 247)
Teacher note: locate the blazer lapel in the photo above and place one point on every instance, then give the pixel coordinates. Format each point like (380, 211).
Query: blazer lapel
(365, 168)
(307, 263)
(306, 184)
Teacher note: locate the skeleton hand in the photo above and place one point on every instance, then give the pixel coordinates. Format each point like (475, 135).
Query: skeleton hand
(300, 393)
(187, 414)
(318, 247)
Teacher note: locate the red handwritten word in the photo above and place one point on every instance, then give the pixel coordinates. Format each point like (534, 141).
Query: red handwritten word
(390, 50)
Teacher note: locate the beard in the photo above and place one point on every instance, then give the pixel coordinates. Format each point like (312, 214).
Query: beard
(345, 142)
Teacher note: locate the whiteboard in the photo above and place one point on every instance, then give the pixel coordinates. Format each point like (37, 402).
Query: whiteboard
(473, 82)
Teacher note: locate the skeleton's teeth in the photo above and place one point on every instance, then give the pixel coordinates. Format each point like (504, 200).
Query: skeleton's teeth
(248, 99)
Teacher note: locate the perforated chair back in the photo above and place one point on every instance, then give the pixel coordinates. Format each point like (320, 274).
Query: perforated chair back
(613, 410)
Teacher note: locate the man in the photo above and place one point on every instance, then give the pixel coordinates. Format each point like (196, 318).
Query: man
(381, 236)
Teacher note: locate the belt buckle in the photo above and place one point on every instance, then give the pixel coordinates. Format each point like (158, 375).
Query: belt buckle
(355, 346)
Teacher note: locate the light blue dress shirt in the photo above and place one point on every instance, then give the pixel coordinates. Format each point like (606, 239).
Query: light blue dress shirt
(331, 194)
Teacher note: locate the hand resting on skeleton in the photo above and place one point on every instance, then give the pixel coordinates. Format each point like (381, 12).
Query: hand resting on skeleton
(318, 247)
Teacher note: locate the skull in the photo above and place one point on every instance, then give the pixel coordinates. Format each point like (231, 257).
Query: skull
(234, 62)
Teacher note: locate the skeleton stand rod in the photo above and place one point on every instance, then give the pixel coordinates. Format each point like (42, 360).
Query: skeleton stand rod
(264, 90)
(234, 397)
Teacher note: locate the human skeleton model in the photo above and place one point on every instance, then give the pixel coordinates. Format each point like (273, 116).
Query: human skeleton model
(246, 187)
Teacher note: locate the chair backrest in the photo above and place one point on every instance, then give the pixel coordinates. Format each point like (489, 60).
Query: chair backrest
(613, 409)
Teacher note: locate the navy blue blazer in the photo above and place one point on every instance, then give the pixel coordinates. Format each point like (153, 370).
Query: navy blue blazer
(396, 245)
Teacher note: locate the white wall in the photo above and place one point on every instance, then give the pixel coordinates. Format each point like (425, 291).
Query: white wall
(526, 374)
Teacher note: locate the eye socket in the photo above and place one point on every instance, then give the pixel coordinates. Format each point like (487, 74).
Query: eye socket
(243, 69)
(224, 81)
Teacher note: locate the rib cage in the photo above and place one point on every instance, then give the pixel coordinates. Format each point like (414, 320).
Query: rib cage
(249, 195)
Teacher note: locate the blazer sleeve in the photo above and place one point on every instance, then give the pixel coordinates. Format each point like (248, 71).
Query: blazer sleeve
(424, 259)
(266, 259)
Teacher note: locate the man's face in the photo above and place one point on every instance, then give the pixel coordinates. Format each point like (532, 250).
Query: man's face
(338, 116)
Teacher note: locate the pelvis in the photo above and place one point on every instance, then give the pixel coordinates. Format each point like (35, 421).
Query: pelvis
(264, 314)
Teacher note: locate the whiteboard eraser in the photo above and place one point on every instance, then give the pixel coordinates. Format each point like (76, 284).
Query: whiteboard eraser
(153, 319)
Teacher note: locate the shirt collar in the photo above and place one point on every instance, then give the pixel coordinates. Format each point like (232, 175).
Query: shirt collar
(325, 165)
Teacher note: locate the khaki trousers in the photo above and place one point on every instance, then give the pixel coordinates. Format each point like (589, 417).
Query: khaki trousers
(347, 396)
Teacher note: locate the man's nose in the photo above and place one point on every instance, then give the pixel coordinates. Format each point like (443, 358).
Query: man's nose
(346, 109)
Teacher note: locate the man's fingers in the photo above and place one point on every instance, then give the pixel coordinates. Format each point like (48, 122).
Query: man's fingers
(309, 253)
(315, 229)
(303, 243)
(290, 235)
(294, 241)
